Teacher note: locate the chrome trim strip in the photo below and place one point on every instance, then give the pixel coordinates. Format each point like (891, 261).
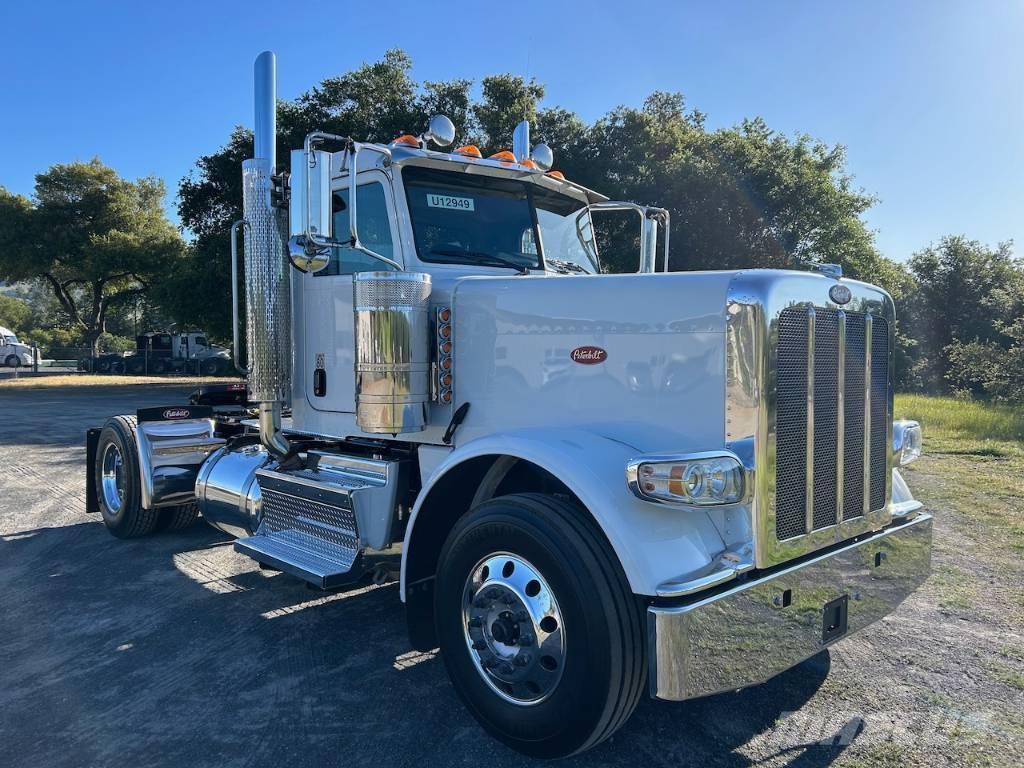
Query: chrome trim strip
(840, 415)
(809, 458)
(868, 329)
(695, 650)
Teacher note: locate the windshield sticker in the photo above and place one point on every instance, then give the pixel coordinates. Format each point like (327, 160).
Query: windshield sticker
(449, 202)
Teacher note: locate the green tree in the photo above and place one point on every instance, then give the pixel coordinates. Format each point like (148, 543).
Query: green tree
(956, 302)
(94, 239)
(13, 313)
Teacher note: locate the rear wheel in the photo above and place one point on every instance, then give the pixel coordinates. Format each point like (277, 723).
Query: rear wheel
(158, 366)
(118, 482)
(539, 630)
(210, 366)
(178, 518)
(136, 365)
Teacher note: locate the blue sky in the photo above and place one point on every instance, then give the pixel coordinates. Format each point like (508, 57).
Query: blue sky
(927, 96)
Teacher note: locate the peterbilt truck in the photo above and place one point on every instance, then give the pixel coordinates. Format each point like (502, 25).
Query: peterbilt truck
(601, 485)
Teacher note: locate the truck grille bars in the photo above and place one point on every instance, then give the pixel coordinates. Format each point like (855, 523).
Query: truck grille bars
(809, 407)
(831, 418)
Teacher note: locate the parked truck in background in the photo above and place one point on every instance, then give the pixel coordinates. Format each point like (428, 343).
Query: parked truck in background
(13, 353)
(156, 353)
(601, 485)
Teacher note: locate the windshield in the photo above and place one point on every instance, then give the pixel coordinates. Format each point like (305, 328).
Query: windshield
(12, 339)
(459, 218)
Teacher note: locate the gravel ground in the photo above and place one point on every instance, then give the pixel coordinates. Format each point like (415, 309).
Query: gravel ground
(175, 651)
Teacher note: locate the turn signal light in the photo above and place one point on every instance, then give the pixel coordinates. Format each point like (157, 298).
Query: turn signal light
(444, 364)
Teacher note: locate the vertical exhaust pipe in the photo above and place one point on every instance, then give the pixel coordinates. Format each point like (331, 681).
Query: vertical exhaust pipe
(267, 288)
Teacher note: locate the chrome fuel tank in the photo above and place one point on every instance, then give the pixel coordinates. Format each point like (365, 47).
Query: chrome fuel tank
(227, 491)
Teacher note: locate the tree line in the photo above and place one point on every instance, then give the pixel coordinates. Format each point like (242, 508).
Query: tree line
(100, 251)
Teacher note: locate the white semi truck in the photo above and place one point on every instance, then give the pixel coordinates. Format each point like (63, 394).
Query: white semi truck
(601, 485)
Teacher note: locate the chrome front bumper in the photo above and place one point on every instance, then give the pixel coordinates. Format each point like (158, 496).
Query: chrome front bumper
(747, 634)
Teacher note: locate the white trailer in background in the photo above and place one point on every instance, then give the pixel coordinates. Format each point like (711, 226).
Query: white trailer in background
(601, 485)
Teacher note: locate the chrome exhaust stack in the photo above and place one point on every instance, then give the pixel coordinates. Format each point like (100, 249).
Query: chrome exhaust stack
(267, 286)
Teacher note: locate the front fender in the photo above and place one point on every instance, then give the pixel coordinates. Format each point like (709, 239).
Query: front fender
(654, 543)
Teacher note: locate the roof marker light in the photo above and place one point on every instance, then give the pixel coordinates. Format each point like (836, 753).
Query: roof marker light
(528, 163)
(407, 140)
(556, 175)
(469, 150)
(504, 156)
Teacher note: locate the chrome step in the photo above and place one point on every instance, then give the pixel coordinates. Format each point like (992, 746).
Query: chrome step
(298, 555)
(316, 521)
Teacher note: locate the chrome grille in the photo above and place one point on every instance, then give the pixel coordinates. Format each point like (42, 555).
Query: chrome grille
(825, 413)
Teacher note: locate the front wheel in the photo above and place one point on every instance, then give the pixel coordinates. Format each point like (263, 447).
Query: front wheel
(12, 361)
(539, 630)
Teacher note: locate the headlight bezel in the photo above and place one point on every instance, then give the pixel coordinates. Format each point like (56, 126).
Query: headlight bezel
(672, 473)
(907, 442)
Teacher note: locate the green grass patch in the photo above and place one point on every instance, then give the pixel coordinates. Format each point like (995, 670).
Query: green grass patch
(977, 422)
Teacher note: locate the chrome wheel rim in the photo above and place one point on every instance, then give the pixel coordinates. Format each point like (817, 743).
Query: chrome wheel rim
(112, 481)
(513, 628)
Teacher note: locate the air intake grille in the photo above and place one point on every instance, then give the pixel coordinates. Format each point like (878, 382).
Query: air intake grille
(824, 414)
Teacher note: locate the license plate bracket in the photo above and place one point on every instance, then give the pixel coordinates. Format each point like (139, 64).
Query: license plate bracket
(834, 619)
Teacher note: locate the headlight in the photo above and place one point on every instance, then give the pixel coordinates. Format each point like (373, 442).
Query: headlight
(906, 441)
(701, 479)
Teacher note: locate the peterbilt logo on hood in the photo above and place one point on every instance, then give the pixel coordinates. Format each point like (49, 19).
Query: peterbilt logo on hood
(588, 355)
(177, 413)
(840, 294)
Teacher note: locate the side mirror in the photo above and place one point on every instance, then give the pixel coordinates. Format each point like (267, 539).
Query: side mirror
(440, 130)
(310, 209)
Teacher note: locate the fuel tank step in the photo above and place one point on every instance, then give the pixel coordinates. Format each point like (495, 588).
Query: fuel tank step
(300, 556)
(315, 521)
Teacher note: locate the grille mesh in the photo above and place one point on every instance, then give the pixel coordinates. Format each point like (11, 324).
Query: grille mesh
(853, 448)
(826, 416)
(791, 442)
(791, 426)
(879, 409)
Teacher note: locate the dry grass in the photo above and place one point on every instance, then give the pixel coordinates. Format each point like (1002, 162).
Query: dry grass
(91, 380)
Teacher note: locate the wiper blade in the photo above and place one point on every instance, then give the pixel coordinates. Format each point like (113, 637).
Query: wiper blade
(570, 266)
(485, 259)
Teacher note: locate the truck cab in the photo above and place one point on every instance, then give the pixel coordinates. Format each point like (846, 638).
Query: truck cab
(598, 485)
(13, 353)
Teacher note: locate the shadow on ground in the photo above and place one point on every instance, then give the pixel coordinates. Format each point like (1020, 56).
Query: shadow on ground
(173, 651)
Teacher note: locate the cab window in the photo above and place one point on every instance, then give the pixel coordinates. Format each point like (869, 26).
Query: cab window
(374, 232)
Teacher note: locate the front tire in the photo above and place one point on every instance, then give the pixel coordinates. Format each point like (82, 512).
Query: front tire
(118, 481)
(12, 361)
(539, 630)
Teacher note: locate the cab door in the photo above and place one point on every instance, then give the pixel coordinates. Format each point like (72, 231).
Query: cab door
(328, 332)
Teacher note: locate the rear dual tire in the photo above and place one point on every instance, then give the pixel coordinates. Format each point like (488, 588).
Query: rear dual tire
(118, 486)
(597, 669)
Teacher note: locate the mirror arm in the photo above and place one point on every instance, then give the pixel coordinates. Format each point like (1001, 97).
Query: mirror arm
(353, 152)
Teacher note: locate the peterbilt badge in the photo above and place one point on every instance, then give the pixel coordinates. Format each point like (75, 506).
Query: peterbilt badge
(588, 355)
(840, 294)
